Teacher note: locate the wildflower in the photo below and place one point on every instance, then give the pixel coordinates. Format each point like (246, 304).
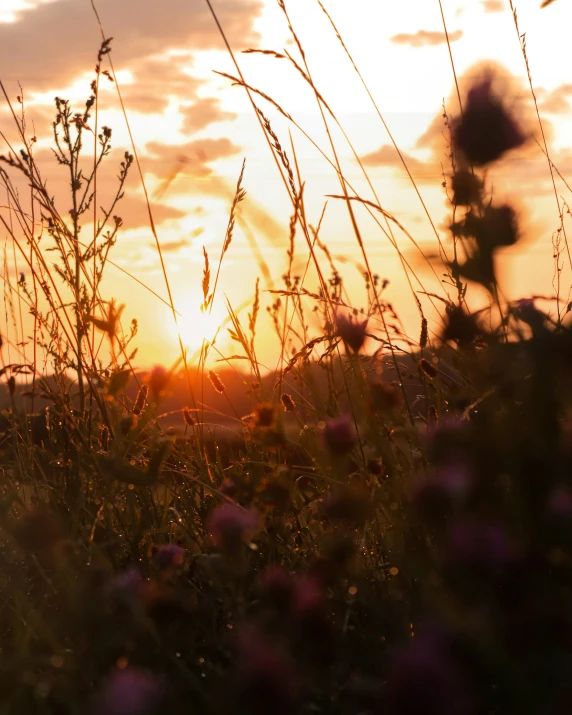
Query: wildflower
(158, 380)
(168, 556)
(216, 382)
(310, 620)
(340, 435)
(125, 585)
(461, 327)
(467, 188)
(485, 131)
(129, 691)
(277, 587)
(230, 525)
(448, 486)
(265, 414)
(496, 227)
(288, 402)
(526, 310)
(351, 332)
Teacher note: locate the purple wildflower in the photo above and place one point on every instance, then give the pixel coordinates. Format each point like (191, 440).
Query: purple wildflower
(351, 332)
(485, 131)
(168, 556)
(229, 525)
(130, 691)
(340, 434)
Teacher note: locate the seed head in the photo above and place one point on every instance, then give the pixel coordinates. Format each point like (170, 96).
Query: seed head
(216, 382)
(288, 402)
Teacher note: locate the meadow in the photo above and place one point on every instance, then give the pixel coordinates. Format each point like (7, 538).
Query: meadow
(383, 524)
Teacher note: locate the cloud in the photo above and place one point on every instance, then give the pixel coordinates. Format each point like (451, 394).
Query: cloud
(171, 246)
(387, 156)
(202, 113)
(423, 38)
(493, 5)
(33, 46)
(191, 159)
(156, 80)
(558, 100)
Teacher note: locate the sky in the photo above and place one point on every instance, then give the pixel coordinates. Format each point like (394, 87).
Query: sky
(192, 129)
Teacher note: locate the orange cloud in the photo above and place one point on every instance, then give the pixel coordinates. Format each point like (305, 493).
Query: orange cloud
(51, 44)
(493, 5)
(423, 38)
(387, 156)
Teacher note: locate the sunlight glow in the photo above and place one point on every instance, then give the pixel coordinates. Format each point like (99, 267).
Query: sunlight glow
(196, 326)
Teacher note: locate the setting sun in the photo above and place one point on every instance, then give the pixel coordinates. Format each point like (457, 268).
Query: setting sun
(195, 325)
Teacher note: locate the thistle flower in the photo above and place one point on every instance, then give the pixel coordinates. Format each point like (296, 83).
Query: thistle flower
(277, 587)
(495, 228)
(229, 525)
(340, 435)
(265, 414)
(466, 187)
(168, 556)
(461, 327)
(351, 332)
(485, 131)
(129, 691)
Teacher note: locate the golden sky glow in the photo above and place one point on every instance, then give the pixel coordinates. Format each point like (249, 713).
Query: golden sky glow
(192, 131)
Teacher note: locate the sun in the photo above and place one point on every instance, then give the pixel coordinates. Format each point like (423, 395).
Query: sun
(196, 326)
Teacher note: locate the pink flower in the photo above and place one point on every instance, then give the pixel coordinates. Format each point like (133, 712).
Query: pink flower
(340, 435)
(230, 525)
(168, 556)
(129, 692)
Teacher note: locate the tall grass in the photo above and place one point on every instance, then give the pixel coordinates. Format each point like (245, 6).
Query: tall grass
(376, 523)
